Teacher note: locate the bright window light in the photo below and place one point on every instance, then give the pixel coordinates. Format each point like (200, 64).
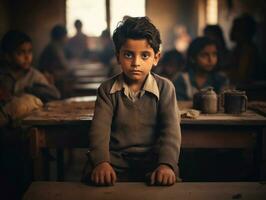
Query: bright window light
(120, 8)
(92, 13)
(212, 11)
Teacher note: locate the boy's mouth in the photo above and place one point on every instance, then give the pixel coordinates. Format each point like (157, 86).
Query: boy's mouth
(136, 71)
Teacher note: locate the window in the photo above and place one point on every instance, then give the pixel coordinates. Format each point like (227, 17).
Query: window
(120, 8)
(212, 12)
(90, 12)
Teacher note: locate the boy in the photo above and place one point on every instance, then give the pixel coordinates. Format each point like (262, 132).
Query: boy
(53, 61)
(135, 132)
(16, 73)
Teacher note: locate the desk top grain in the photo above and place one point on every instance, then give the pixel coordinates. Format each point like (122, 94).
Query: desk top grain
(81, 112)
(133, 191)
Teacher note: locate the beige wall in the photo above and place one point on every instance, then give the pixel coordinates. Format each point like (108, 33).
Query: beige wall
(168, 13)
(163, 15)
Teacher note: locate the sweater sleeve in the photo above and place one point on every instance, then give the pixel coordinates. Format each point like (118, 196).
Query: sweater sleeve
(170, 132)
(41, 88)
(99, 135)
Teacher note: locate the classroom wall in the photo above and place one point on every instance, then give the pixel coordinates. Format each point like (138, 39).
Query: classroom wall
(37, 18)
(169, 13)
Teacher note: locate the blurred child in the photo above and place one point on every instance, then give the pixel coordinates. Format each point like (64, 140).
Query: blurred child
(215, 32)
(17, 76)
(54, 63)
(202, 59)
(135, 132)
(171, 65)
(244, 62)
(78, 45)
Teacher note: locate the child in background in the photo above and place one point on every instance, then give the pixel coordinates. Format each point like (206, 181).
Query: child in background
(202, 59)
(171, 65)
(53, 61)
(16, 66)
(135, 132)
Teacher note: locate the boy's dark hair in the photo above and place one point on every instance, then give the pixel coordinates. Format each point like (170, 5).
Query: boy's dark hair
(196, 46)
(58, 32)
(12, 40)
(137, 28)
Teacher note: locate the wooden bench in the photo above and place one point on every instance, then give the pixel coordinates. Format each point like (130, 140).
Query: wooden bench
(134, 191)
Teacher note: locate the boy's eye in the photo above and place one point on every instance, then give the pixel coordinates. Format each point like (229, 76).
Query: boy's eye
(145, 56)
(128, 55)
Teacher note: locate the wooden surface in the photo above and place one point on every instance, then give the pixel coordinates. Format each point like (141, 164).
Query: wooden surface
(139, 191)
(61, 112)
(77, 112)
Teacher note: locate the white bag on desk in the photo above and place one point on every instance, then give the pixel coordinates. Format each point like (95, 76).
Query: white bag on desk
(20, 106)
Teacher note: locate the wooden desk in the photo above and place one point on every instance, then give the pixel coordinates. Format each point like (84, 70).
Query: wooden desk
(65, 124)
(133, 191)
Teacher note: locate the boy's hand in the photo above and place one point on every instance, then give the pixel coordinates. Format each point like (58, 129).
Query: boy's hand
(163, 175)
(103, 174)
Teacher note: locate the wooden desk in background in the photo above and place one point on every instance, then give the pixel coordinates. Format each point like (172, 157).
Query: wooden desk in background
(133, 191)
(64, 124)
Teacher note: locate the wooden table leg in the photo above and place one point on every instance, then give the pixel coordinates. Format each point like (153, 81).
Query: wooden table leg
(37, 141)
(263, 155)
(60, 164)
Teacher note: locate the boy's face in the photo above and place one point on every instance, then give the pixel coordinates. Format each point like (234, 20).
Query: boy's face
(22, 56)
(136, 58)
(207, 58)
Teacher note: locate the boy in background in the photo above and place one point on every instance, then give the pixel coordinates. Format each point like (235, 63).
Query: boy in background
(135, 132)
(16, 71)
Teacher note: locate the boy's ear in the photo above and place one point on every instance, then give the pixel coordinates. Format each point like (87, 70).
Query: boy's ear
(157, 57)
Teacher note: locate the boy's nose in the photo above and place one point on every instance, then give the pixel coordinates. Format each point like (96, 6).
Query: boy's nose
(136, 61)
(27, 57)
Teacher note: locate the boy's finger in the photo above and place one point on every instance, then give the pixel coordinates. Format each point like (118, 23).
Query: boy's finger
(159, 178)
(108, 178)
(165, 179)
(101, 181)
(171, 180)
(92, 177)
(113, 178)
(153, 178)
(96, 179)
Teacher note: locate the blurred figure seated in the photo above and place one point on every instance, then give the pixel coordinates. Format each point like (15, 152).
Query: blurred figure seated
(214, 32)
(171, 65)
(53, 61)
(202, 59)
(244, 58)
(77, 46)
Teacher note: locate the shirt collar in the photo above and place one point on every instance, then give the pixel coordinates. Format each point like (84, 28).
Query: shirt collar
(150, 85)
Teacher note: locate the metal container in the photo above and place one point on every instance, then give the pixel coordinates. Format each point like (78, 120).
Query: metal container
(235, 102)
(206, 100)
